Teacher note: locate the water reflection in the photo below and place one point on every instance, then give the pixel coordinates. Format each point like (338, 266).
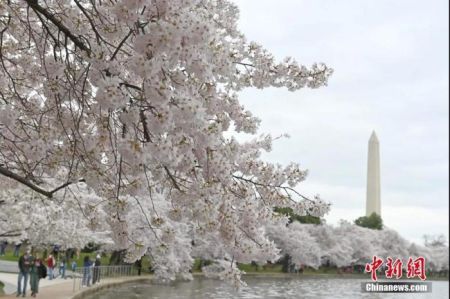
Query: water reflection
(261, 287)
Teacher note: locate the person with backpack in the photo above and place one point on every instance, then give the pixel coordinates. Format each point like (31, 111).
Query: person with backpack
(37, 271)
(42, 270)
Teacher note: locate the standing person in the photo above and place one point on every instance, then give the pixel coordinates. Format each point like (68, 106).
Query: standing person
(62, 267)
(74, 266)
(25, 262)
(87, 264)
(139, 266)
(50, 266)
(17, 248)
(36, 273)
(67, 254)
(97, 264)
(70, 253)
(55, 250)
(3, 247)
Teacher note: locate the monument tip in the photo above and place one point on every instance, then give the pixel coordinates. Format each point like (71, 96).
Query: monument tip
(373, 137)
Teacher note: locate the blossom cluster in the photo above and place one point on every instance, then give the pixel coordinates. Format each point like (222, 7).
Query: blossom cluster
(133, 99)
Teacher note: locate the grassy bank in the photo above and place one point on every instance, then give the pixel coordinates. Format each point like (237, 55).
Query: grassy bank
(105, 258)
(10, 257)
(330, 272)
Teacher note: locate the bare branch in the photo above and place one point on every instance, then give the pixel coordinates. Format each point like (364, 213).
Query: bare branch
(29, 184)
(175, 184)
(76, 40)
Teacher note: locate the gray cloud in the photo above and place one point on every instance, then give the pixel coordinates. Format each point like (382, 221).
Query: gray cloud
(391, 75)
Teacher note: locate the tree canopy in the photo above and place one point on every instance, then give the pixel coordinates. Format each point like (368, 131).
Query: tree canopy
(128, 101)
(348, 244)
(373, 221)
(435, 240)
(295, 217)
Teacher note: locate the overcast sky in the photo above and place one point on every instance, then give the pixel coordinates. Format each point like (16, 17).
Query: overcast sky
(391, 75)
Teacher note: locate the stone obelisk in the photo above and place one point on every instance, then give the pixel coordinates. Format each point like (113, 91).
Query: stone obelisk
(373, 203)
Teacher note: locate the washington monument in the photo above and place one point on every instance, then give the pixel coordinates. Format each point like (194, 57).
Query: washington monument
(373, 203)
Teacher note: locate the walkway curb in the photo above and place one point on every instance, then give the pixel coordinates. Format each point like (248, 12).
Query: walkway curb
(8, 288)
(87, 292)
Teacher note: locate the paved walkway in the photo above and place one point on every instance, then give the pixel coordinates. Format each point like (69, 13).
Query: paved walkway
(63, 289)
(9, 275)
(8, 266)
(10, 281)
(57, 288)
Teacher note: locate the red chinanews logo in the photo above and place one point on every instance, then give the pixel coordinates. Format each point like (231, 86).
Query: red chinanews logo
(415, 268)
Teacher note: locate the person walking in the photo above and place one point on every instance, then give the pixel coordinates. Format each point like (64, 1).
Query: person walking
(87, 264)
(96, 274)
(37, 271)
(25, 262)
(50, 266)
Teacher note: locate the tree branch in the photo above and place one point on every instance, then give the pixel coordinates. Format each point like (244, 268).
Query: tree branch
(10, 234)
(174, 182)
(32, 186)
(39, 9)
(67, 184)
(285, 188)
(120, 44)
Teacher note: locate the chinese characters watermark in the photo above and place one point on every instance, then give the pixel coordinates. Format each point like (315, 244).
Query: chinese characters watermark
(414, 268)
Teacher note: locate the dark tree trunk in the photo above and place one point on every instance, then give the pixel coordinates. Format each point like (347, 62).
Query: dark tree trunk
(117, 257)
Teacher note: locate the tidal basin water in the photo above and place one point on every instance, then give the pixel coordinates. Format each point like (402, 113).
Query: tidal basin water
(261, 287)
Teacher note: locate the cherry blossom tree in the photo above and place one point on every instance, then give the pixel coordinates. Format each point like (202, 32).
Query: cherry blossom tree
(296, 241)
(132, 98)
(439, 259)
(348, 244)
(434, 240)
(364, 243)
(27, 216)
(438, 251)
